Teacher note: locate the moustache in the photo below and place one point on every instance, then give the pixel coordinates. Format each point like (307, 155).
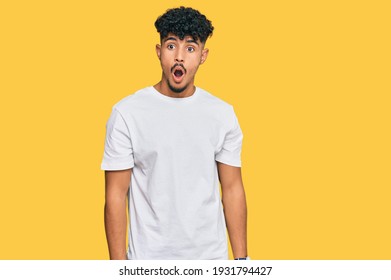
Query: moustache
(180, 65)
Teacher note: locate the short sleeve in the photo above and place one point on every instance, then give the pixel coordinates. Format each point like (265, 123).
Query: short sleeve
(118, 151)
(232, 145)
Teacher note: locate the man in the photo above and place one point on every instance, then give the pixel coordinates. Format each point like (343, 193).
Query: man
(167, 147)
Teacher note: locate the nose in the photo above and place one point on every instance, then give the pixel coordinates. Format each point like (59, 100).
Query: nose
(179, 56)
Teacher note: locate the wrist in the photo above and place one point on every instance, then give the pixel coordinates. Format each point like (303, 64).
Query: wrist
(247, 258)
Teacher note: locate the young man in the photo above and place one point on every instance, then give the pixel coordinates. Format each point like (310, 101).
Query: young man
(167, 147)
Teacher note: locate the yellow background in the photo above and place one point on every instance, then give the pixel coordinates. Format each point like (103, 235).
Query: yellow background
(310, 83)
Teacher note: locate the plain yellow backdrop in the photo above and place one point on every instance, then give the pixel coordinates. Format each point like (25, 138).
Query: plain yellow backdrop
(310, 83)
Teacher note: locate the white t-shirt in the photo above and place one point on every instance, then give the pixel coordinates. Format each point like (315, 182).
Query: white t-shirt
(173, 144)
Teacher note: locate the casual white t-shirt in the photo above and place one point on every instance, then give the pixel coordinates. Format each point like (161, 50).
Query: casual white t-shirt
(173, 144)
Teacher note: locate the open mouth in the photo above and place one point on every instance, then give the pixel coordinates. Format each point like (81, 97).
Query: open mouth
(178, 73)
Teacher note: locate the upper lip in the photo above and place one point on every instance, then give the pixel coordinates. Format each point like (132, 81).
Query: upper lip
(178, 67)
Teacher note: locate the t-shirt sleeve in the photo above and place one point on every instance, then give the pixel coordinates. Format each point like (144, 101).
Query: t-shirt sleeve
(118, 152)
(232, 145)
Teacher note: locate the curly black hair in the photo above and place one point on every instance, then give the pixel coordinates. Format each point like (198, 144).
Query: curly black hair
(184, 22)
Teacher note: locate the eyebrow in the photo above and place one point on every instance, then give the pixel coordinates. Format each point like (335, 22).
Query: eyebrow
(175, 39)
(169, 38)
(192, 41)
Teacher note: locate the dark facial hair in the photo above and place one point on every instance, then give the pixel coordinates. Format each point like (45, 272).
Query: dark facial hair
(176, 90)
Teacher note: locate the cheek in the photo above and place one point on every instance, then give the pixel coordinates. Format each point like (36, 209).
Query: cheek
(195, 63)
(167, 54)
(164, 62)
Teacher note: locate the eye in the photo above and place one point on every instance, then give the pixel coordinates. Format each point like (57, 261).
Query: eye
(190, 49)
(170, 46)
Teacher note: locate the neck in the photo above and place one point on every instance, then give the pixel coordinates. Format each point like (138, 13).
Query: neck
(163, 88)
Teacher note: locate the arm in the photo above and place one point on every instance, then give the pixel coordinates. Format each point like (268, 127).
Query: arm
(117, 186)
(235, 209)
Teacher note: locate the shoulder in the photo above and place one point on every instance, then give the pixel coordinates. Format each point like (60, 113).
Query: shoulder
(215, 102)
(218, 109)
(217, 106)
(132, 101)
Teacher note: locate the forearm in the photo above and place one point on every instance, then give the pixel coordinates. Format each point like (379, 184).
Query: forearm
(115, 225)
(235, 211)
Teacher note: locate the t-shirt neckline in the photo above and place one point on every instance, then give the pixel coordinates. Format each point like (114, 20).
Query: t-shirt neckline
(175, 99)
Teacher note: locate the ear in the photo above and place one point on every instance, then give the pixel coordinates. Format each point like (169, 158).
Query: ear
(158, 49)
(204, 55)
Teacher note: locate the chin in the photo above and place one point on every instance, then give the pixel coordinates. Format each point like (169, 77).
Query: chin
(178, 89)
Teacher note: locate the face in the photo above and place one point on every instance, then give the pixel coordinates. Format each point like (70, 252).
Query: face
(180, 60)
